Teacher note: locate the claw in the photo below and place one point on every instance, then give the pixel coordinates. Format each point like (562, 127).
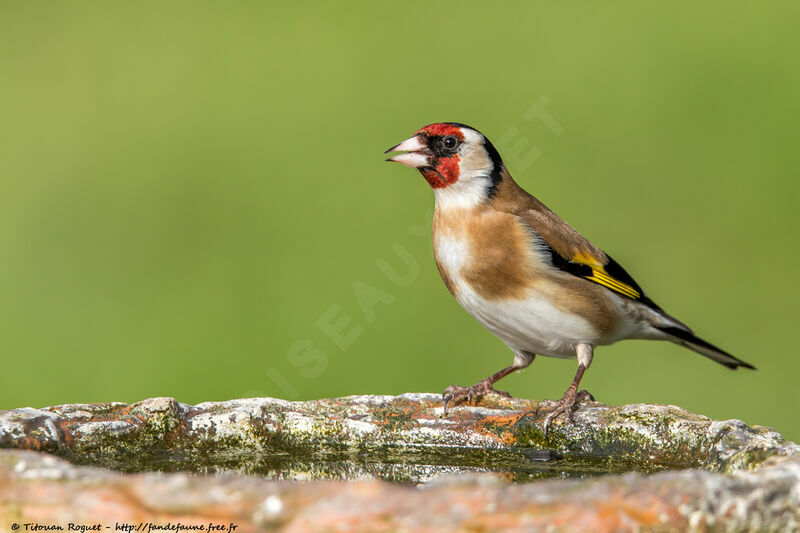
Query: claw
(566, 406)
(455, 394)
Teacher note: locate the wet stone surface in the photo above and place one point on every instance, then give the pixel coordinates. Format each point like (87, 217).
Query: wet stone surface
(483, 468)
(402, 439)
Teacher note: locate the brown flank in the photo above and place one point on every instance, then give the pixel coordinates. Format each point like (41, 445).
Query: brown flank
(503, 264)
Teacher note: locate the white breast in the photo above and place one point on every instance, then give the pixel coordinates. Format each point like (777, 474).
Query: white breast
(532, 323)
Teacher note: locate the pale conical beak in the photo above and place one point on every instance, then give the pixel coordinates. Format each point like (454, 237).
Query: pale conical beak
(418, 155)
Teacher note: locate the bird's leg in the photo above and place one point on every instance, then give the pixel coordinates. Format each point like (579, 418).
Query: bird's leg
(454, 394)
(566, 405)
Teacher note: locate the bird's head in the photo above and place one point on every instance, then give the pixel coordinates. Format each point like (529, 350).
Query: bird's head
(450, 155)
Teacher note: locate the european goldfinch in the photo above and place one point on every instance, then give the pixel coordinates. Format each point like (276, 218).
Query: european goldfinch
(523, 272)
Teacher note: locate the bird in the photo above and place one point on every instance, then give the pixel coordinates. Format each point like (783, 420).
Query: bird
(524, 273)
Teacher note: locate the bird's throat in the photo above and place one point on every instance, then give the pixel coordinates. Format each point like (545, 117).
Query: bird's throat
(443, 174)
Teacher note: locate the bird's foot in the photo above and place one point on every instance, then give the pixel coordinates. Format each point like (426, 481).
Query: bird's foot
(454, 394)
(566, 406)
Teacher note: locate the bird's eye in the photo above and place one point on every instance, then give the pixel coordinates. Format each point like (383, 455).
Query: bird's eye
(450, 142)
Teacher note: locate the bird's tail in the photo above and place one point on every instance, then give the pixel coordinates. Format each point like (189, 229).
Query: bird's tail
(686, 338)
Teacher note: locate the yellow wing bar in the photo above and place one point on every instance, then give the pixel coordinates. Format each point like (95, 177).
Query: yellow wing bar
(601, 277)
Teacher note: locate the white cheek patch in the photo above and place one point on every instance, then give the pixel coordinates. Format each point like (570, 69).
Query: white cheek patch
(475, 164)
(475, 160)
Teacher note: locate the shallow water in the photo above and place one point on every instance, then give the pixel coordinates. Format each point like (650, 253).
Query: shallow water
(401, 464)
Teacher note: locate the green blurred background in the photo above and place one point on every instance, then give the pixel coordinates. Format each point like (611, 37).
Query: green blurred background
(191, 192)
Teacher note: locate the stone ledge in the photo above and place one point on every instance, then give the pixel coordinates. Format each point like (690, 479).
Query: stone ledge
(727, 475)
(365, 434)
